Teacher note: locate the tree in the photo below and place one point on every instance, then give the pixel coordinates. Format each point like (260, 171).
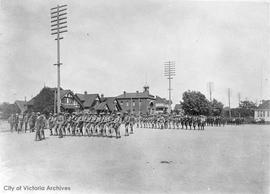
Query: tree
(195, 103)
(44, 101)
(246, 108)
(8, 109)
(216, 108)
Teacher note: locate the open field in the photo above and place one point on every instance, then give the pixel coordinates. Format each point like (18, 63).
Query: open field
(226, 159)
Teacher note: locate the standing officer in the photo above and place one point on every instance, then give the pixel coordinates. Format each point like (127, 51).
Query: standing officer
(38, 126)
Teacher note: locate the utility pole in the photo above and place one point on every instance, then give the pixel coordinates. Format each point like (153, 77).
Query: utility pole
(169, 72)
(229, 100)
(58, 26)
(239, 98)
(210, 88)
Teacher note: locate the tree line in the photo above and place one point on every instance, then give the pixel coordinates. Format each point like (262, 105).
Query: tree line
(195, 103)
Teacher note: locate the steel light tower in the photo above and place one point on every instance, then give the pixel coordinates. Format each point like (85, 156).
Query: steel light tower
(58, 26)
(169, 72)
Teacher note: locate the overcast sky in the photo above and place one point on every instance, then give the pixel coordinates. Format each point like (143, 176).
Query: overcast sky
(119, 45)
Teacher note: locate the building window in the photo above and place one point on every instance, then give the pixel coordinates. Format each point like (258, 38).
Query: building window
(263, 113)
(133, 104)
(127, 103)
(268, 113)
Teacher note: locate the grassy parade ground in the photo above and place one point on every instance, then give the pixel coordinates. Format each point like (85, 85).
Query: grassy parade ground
(230, 159)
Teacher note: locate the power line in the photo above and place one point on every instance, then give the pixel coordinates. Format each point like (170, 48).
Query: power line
(169, 72)
(58, 27)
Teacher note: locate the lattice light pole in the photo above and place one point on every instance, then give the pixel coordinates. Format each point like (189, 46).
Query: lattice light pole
(58, 26)
(169, 72)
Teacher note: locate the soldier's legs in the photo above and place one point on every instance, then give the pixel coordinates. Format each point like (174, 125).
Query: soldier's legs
(131, 128)
(60, 131)
(105, 130)
(37, 134)
(126, 130)
(118, 131)
(110, 131)
(11, 127)
(42, 134)
(84, 129)
(55, 129)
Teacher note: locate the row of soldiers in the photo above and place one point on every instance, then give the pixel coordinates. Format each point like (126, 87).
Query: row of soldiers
(172, 122)
(75, 124)
(34, 122)
(23, 122)
(89, 124)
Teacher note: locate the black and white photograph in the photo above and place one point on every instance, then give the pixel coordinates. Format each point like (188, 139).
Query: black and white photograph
(134, 97)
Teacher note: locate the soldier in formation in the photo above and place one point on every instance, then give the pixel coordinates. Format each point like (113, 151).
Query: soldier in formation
(90, 124)
(74, 124)
(165, 121)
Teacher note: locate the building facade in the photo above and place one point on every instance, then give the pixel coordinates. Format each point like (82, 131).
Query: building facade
(69, 101)
(137, 102)
(263, 111)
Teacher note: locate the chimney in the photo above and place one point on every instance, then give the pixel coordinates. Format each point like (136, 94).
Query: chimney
(137, 92)
(25, 99)
(85, 92)
(125, 93)
(102, 95)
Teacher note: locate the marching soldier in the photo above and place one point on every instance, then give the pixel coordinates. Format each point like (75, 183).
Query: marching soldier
(126, 122)
(132, 123)
(60, 122)
(51, 123)
(117, 124)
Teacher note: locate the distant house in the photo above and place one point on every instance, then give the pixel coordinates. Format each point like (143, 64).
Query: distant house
(112, 104)
(178, 109)
(263, 111)
(137, 102)
(89, 101)
(46, 101)
(21, 106)
(69, 101)
(162, 105)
